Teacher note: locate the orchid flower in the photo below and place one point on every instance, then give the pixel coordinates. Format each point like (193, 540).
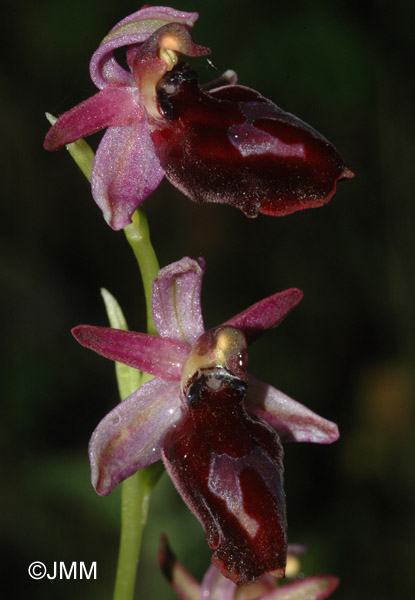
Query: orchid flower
(215, 586)
(219, 142)
(217, 429)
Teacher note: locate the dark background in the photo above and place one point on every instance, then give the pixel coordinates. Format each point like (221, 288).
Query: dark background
(346, 351)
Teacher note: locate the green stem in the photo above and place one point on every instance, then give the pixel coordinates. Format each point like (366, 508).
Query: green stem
(136, 490)
(138, 236)
(135, 500)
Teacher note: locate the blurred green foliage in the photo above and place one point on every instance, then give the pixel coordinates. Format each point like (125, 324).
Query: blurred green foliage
(346, 352)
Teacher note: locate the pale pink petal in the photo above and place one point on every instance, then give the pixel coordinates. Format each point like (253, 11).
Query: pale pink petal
(126, 171)
(267, 313)
(255, 591)
(291, 420)
(159, 13)
(161, 357)
(310, 588)
(129, 437)
(185, 586)
(217, 587)
(113, 106)
(134, 29)
(176, 300)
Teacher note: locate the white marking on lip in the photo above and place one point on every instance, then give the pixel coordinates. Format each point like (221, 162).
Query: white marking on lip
(250, 140)
(224, 482)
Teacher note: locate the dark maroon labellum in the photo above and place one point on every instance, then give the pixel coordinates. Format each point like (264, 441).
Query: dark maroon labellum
(232, 145)
(228, 467)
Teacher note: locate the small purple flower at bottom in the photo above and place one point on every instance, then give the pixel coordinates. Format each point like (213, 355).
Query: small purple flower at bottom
(218, 429)
(218, 142)
(215, 586)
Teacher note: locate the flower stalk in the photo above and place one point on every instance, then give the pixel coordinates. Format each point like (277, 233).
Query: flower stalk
(138, 236)
(136, 490)
(135, 501)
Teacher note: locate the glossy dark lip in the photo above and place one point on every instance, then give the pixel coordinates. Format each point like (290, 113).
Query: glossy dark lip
(195, 147)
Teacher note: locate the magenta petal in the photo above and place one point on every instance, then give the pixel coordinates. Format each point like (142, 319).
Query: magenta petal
(161, 357)
(216, 587)
(310, 588)
(149, 14)
(291, 420)
(115, 105)
(259, 317)
(129, 437)
(125, 172)
(176, 300)
(134, 29)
